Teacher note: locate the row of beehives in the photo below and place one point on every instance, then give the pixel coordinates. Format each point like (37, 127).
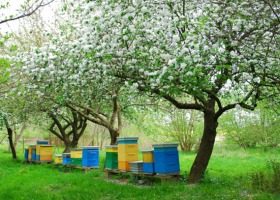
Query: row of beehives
(87, 156)
(163, 159)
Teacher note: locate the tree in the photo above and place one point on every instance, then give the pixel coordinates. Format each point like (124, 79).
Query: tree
(222, 54)
(251, 129)
(209, 56)
(6, 83)
(67, 128)
(184, 129)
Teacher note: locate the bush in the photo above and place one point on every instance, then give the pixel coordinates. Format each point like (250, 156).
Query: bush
(251, 129)
(269, 182)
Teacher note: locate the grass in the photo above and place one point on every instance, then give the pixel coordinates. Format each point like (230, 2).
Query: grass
(228, 177)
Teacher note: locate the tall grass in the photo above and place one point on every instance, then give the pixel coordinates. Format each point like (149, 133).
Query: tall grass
(229, 176)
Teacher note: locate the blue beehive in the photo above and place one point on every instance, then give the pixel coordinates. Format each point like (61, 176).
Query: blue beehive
(90, 157)
(66, 159)
(33, 154)
(149, 168)
(166, 158)
(26, 154)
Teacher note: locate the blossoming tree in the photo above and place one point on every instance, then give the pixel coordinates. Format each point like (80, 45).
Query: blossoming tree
(210, 56)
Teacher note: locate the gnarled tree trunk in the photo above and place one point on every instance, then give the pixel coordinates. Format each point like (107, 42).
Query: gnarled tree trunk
(68, 129)
(205, 149)
(114, 134)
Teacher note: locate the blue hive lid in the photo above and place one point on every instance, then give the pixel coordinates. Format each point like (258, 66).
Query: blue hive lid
(90, 147)
(166, 145)
(42, 141)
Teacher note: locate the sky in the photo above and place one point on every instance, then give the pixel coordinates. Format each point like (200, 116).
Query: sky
(15, 5)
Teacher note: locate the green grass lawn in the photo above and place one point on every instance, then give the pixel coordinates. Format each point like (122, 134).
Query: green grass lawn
(229, 176)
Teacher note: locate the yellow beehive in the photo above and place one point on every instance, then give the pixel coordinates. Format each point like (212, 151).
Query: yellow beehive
(128, 156)
(39, 144)
(45, 157)
(76, 153)
(46, 152)
(58, 159)
(148, 156)
(123, 165)
(125, 148)
(30, 150)
(127, 152)
(112, 149)
(38, 149)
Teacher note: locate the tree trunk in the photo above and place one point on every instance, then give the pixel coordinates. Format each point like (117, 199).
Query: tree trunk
(10, 138)
(114, 134)
(70, 145)
(205, 149)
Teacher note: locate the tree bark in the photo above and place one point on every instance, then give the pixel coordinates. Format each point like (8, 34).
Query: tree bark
(71, 131)
(114, 134)
(205, 149)
(10, 138)
(70, 145)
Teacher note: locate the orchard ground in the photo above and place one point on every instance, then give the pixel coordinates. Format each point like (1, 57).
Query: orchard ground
(233, 173)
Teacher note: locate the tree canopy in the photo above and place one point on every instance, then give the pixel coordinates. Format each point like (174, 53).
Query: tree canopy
(210, 56)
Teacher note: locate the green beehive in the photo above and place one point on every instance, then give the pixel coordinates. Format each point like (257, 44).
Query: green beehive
(76, 157)
(112, 157)
(76, 161)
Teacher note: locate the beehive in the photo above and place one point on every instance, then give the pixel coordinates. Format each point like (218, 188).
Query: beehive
(127, 152)
(148, 161)
(111, 157)
(39, 143)
(66, 159)
(58, 158)
(166, 158)
(90, 156)
(33, 154)
(136, 167)
(30, 152)
(76, 156)
(26, 154)
(46, 153)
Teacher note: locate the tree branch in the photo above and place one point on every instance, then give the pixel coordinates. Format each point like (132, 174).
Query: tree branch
(41, 4)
